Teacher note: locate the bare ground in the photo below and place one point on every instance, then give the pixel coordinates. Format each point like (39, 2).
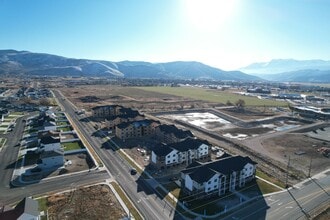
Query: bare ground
(95, 202)
(301, 149)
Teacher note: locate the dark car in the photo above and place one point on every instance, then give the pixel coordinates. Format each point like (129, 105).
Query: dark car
(36, 170)
(133, 171)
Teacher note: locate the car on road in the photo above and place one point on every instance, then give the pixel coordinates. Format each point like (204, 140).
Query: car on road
(133, 171)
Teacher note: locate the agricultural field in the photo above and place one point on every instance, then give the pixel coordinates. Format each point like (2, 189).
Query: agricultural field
(156, 99)
(212, 95)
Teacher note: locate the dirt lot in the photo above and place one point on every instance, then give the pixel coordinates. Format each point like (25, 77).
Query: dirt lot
(301, 149)
(251, 113)
(95, 202)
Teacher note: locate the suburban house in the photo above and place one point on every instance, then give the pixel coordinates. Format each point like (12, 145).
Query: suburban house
(184, 152)
(26, 209)
(171, 134)
(218, 177)
(136, 129)
(51, 157)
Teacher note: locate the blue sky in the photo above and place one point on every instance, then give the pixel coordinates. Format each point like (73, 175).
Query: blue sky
(226, 34)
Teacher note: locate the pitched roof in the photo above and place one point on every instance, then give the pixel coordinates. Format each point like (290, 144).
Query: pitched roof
(27, 205)
(203, 175)
(163, 150)
(188, 144)
(223, 166)
(136, 124)
(105, 106)
(49, 140)
(172, 129)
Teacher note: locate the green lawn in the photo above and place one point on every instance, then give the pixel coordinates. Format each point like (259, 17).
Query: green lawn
(72, 146)
(62, 123)
(42, 203)
(212, 95)
(67, 128)
(269, 178)
(266, 188)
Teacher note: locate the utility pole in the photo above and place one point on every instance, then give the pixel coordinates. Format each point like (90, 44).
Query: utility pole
(310, 168)
(287, 173)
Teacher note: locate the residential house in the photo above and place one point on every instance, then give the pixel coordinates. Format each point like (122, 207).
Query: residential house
(171, 134)
(218, 177)
(184, 152)
(136, 129)
(51, 157)
(26, 209)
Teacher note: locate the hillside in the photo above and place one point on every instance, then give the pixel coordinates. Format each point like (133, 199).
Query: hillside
(28, 63)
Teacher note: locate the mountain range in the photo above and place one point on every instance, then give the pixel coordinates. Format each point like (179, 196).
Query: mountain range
(28, 63)
(41, 64)
(290, 70)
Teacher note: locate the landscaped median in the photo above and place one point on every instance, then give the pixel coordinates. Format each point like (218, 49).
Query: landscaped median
(2, 142)
(127, 202)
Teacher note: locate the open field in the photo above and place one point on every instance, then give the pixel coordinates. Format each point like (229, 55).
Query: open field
(211, 95)
(157, 98)
(94, 202)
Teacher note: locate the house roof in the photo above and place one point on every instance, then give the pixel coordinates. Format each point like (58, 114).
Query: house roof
(203, 175)
(188, 144)
(105, 106)
(136, 124)
(223, 166)
(162, 150)
(27, 205)
(49, 140)
(52, 153)
(172, 129)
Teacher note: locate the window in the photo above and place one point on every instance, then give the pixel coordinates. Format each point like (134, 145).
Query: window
(215, 186)
(209, 182)
(215, 180)
(208, 189)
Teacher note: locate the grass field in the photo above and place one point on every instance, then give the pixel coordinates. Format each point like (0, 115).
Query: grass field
(42, 203)
(72, 146)
(212, 95)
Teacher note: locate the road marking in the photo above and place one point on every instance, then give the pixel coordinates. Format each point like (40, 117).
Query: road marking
(289, 207)
(280, 203)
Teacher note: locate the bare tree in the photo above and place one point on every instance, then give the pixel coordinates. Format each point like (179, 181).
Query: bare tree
(240, 104)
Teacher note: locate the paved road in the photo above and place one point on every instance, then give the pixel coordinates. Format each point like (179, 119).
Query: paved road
(8, 157)
(149, 205)
(299, 202)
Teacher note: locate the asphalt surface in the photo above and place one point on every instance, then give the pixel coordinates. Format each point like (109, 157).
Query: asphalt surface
(300, 202)
(143, 197)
